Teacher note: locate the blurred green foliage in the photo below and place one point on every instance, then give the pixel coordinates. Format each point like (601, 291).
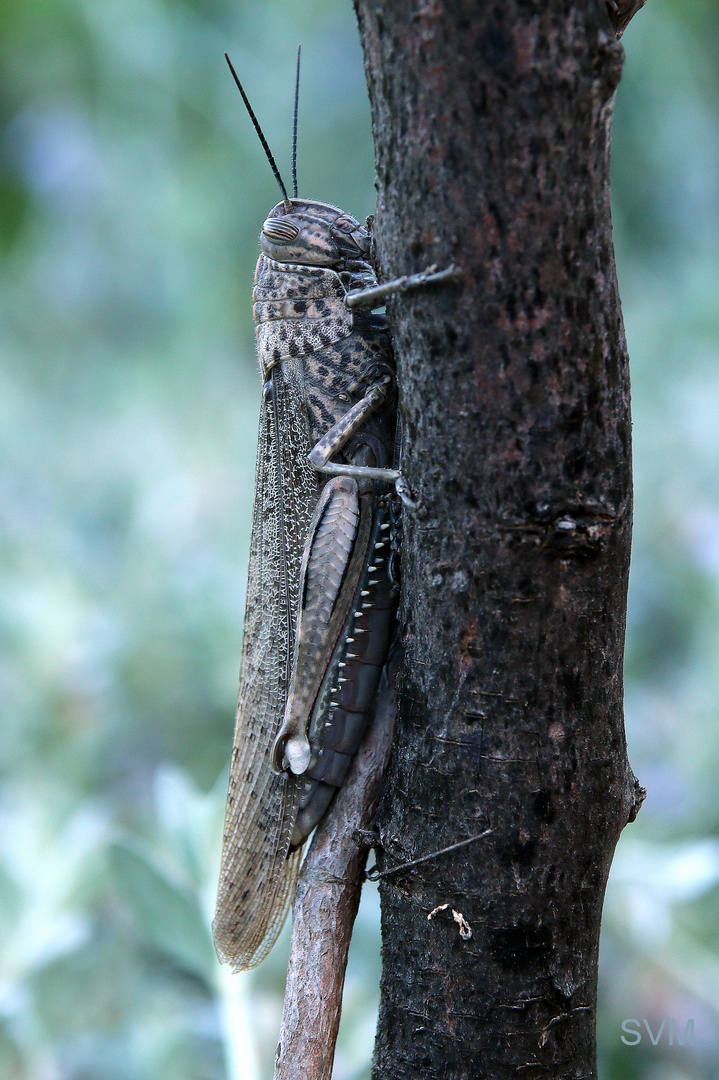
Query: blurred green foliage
(131, 192)
(660, 946)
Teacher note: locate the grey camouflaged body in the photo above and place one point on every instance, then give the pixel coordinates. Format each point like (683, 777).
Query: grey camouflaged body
(313, 354)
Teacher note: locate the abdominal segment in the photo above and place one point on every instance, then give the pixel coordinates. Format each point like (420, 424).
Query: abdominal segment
(347, 697)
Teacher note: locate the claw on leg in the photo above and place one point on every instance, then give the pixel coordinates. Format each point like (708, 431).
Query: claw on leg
(405, 493)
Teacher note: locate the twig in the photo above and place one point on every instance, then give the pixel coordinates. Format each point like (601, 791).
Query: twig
(621, 12)
(328, 895)
(374, 874)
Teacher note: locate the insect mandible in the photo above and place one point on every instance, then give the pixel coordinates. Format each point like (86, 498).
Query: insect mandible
(320, 597)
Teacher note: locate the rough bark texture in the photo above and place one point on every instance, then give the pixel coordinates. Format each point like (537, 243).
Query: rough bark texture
(492, 127)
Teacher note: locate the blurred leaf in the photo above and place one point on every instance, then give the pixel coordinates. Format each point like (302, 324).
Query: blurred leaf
(11, 1067)
(168, 917)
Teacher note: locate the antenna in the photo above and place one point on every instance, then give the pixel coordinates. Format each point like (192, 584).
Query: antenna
(262, 138)
(294, 125)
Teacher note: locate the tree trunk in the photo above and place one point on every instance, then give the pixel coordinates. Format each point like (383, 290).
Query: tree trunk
(492, 127)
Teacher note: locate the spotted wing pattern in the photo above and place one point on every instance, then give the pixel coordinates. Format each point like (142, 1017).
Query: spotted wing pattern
(258, 873)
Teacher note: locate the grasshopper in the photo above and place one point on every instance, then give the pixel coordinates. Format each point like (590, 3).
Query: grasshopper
(321, 597)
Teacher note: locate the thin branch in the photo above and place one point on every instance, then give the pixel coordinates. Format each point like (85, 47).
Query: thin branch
(374, 874)
(328, 895)
(621, 12)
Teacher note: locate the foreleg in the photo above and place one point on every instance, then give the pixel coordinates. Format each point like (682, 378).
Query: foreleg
(333, 441)
(377, 294)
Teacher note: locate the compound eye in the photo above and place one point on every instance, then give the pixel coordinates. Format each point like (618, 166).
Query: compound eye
(278, 231)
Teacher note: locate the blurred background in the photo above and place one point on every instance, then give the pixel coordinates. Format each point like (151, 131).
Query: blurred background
(132, 188)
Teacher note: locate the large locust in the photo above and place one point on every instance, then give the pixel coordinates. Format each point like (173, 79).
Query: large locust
(320, 597)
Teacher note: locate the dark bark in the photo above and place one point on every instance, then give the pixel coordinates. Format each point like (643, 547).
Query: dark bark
(492, 127)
